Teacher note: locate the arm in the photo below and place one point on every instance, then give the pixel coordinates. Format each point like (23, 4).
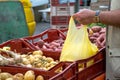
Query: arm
(110, 17)
(86, 16)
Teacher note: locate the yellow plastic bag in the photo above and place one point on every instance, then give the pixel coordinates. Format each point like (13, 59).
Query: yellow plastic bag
(77, 45)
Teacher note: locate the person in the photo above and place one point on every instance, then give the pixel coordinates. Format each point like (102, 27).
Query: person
(112, 19)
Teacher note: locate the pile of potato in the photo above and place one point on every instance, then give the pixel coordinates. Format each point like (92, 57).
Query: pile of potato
(97, 36)
(37, 60)
(29, 75)
(55, 45)
(34, 59)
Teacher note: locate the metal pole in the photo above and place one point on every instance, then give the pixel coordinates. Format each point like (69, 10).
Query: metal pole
(77, 5)
(85, 3)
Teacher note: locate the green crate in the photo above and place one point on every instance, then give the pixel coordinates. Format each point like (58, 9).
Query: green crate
(12, 20)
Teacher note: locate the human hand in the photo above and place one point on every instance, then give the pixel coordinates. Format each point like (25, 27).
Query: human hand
(85, 16)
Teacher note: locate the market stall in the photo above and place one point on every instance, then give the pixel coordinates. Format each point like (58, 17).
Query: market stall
(67, 50)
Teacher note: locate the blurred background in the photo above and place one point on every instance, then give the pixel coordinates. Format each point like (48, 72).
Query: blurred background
(56, 13)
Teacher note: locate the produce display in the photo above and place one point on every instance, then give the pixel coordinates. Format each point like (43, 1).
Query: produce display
(37, 60)
(34, 59)
(29, 75)
(97, 36)
(47, 62)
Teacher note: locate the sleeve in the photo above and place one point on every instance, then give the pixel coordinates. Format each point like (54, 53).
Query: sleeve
(115, 4)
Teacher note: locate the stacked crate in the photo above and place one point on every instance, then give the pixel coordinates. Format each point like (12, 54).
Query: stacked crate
(61, 13)
(102, 5)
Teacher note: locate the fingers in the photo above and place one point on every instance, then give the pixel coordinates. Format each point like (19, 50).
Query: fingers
(78, 17)
(75, 16)
(84, 16)
(81, 18)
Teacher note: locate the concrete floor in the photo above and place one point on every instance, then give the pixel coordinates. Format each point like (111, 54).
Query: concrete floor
(40, 27)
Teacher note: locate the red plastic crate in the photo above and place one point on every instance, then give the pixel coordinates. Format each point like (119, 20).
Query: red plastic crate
(62, 10)
(48, 36)
(46, 74)
(23, 47)
(59, 26)
(19, 45)
(94, 70)
(100, 77)
(56, 3)
(88, 72)
(60, 20)
(70, 70)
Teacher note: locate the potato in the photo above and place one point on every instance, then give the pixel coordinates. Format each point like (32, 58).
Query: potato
(96, 34)
(25, 61)
(101, 38)
(24, 55)
(39, 77)
(31, 58)
(47, 45)
(100, 42)
(18, 76)
(47, 65)
(29, 75)
(53, 63)
(44, 47)
(36, 59)
(58, 50)
(29, 65)
(92, 38)
(55, 44)
(38, 65)
(5, 75)
(103, 30)
(40, 43)
(39, 52)
(96, 28)
(49, 59)
(6, 48)
(9, 79)
(37, 56)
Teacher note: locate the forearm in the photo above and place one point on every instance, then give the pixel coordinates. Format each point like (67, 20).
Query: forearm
(110, 17)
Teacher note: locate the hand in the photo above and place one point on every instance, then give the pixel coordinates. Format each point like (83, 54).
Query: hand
(85, 16)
